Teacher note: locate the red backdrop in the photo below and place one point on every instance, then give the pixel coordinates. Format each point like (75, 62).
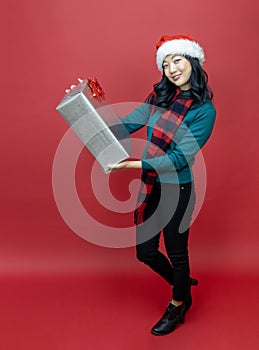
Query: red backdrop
(46, 45)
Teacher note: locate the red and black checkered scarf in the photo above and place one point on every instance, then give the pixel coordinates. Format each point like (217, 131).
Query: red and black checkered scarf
(163, 134)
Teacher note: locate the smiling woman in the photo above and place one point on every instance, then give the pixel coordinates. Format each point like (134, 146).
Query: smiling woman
(187, 120)
(176, 131)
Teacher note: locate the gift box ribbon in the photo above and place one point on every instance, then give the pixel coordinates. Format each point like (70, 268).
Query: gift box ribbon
(96, 89)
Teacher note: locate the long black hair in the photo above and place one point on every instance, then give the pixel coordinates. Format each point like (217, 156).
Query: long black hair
(200, 91)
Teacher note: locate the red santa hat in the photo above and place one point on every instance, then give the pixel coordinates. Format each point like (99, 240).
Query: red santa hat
(178, 45)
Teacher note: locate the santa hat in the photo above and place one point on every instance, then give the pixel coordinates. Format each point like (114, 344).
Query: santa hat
(178, 45)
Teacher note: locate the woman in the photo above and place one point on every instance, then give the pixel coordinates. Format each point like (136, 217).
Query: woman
(178, 126)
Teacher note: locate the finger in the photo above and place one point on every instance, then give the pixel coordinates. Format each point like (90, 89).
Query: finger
(111, 166)
(72, 86)
(80, 80)
(67, 91)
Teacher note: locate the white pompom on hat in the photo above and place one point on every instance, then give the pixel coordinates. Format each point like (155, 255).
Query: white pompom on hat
(178, 45)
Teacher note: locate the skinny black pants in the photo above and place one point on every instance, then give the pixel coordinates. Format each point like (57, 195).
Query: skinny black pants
(179, 199)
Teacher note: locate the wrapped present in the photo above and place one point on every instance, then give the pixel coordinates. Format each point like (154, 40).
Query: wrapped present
(84, 110)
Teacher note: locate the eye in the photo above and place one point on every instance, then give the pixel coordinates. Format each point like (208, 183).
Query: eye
(165, 66)
(177, 60)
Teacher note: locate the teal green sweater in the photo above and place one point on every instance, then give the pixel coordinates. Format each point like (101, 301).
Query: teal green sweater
(176, 164)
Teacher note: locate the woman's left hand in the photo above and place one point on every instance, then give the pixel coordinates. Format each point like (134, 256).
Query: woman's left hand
(127, 164)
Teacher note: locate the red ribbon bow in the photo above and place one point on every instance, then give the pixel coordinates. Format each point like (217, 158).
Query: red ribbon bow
(97, 91)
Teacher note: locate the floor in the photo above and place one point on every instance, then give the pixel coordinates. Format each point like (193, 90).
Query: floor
(114, 311)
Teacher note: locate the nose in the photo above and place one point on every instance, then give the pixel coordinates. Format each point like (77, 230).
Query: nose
(172, 67)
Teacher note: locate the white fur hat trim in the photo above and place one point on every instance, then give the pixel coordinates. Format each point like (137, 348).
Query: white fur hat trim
(179, 47)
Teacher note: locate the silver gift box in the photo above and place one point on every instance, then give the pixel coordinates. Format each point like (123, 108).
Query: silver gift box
(93, 123)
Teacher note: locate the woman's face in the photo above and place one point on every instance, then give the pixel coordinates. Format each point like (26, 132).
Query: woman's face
(178, 70)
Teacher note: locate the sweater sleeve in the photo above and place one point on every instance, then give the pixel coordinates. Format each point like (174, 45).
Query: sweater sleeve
(187, 142)
(137, 119)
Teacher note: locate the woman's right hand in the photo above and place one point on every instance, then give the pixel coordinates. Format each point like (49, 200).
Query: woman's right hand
(73, 86)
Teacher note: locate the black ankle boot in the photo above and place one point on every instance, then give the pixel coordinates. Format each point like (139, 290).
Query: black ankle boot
(170, 319)
(188, 296)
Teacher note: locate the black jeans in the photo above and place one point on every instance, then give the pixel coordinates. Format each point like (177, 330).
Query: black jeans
(175, 269)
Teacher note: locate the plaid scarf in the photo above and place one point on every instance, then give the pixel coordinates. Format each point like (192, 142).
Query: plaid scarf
(163, 134)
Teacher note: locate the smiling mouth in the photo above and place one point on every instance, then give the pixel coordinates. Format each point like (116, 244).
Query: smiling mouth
(176, 77)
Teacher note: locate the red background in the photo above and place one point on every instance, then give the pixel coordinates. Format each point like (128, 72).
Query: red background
(46, 45)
